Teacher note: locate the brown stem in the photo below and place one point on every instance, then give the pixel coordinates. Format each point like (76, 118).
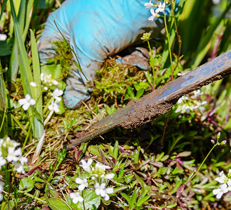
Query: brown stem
(165, 126)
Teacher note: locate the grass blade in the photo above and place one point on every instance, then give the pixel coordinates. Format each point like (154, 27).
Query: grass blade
(23, 21)
(204, 45)
(25, 71)
(3, 8)
(38, 121)
(3, 107)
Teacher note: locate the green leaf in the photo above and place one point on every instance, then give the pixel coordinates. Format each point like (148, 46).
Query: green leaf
(141, 85)
(129, 178)
(177, 171)
(139, 93)
(130, 93)
(60, 158)
(171, 29)
(90, 199)
(3, 107)
(176, 187)
(38, 121)
(24, 22)
(205, 44)
(116, 150)
(143, 200)
(126, 197)
(134, 198)
(6, 47)
(57, 204)
(54, 70)
(45, 4)
(3, 8)
(172, 205)
(184, 154)
(26, 184)
(93, 149)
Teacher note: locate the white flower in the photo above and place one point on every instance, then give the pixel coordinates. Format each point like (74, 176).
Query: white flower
(3, 37)
(108, 176)
(55, 82)
(19, 167)
(154, 14)
(148, 5)
(216, 1)
(33, 84)
(53, 107)
(26, 102)
(2, 161)
(83, 183)
(101, 166)
(161, 7)
(86, 165)
(9, 143)
(56, 94)
(103, 191)
(47, 79)
(76, 197)
(196, 93)
(220, 191)
(45, 88)
(229, 185)
(22, 160)
(13, 155)
(183, 99)
(222, 179)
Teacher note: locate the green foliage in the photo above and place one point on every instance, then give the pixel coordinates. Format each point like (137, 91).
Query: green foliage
(151, 164)
(57, 204)
(112, 82)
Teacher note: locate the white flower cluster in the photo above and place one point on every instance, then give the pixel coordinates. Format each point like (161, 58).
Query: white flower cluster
(225, 186)
(9, 153)
(47, 81)
(189, 103)
(54, 106)
(161, 8)
(98, 175)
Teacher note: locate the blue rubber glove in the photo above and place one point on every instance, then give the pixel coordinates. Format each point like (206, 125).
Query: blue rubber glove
(96, 29)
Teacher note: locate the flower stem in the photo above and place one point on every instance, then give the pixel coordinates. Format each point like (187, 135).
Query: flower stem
(83, 202)
(32, 196)
(48, 117)
(190, 178)
(27, 136)
(167, 34)
(46, 107)
(202, 163)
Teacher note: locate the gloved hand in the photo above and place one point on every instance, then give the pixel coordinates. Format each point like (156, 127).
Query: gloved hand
(96, 29)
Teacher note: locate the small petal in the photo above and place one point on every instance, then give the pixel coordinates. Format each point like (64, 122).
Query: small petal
(148, 5)
(25, 106)
(32, 102)
(33, 84)
(3, 37)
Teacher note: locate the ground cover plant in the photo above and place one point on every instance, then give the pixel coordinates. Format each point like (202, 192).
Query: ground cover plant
(181, 160)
